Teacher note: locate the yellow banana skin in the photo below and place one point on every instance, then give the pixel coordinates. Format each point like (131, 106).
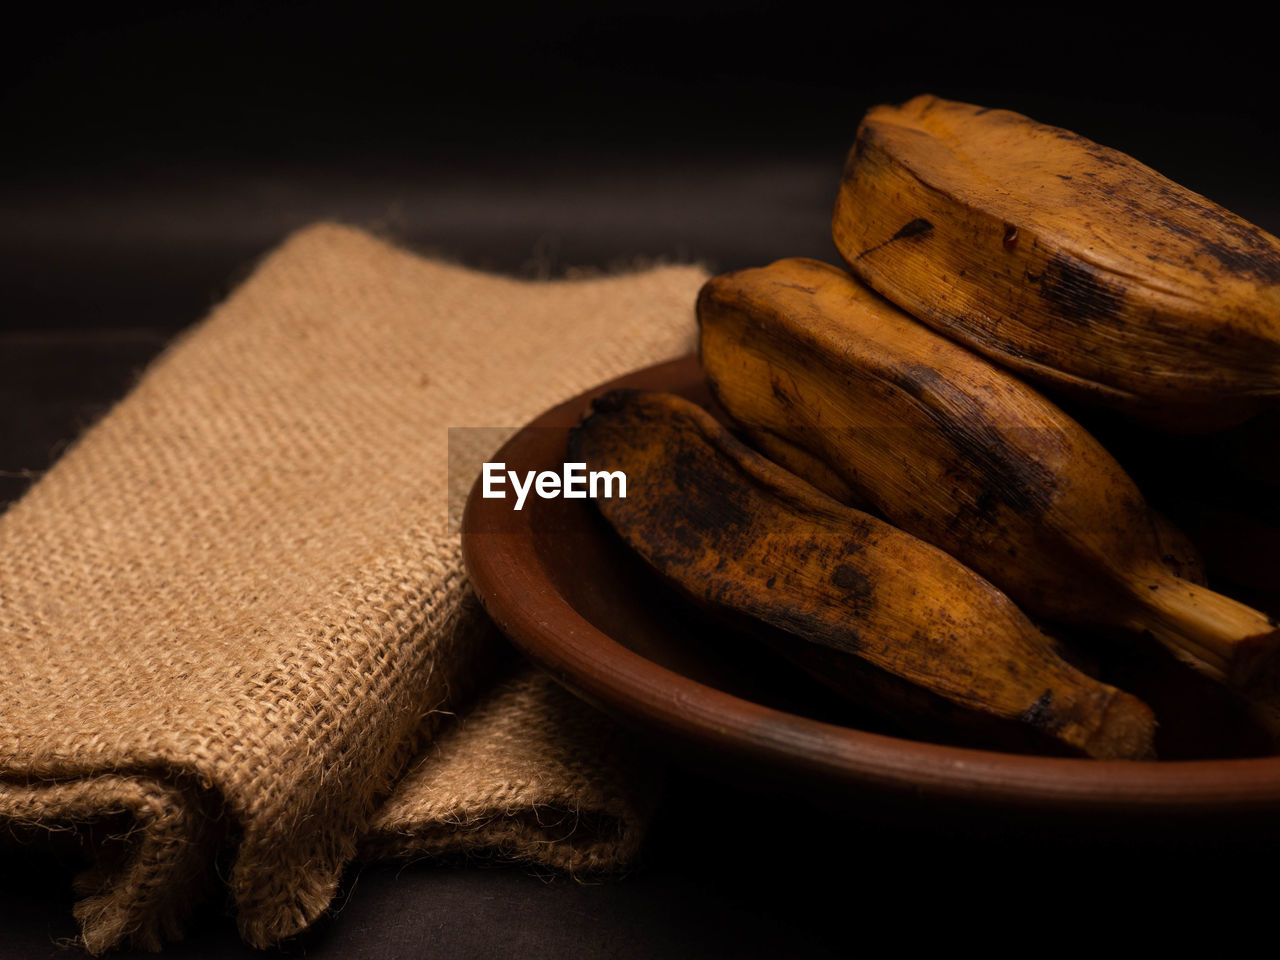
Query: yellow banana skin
(1070, 263)
(956, 451)
(737, 533)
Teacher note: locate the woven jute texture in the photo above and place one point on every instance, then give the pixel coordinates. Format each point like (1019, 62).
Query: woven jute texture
(530, 773)
(232, 615)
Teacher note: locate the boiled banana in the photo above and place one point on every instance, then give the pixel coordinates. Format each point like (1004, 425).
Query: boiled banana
(1068, 262)
(737, 533)
(958, 452)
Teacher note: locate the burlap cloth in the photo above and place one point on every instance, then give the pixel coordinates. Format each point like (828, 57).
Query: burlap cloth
(234, 621)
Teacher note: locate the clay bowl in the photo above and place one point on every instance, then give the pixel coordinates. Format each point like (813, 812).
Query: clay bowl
(565, 590)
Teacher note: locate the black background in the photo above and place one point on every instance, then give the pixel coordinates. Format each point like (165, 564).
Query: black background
(153, 151)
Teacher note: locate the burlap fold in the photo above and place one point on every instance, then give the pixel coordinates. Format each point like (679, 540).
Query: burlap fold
(233, 611)
(530, 773)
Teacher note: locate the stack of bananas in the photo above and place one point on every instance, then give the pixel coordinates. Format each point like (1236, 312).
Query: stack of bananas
(909, 500)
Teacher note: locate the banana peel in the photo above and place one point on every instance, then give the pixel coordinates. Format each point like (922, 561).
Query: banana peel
(958, 452)
(1068, 262)
(735, 532)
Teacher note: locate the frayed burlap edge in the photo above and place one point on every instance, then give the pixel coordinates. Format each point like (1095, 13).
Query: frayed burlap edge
(291, 902)
(145, 879)
(531, 774)
(155, 863)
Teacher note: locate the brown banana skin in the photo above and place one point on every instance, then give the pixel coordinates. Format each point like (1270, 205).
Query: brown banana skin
(1178, 554)
(737, 533)
(956, 451)
(1070, 263)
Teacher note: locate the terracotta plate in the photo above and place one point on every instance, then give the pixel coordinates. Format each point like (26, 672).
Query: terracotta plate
(563, 588)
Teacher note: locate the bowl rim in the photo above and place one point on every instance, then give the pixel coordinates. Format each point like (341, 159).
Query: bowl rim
(525, 604)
